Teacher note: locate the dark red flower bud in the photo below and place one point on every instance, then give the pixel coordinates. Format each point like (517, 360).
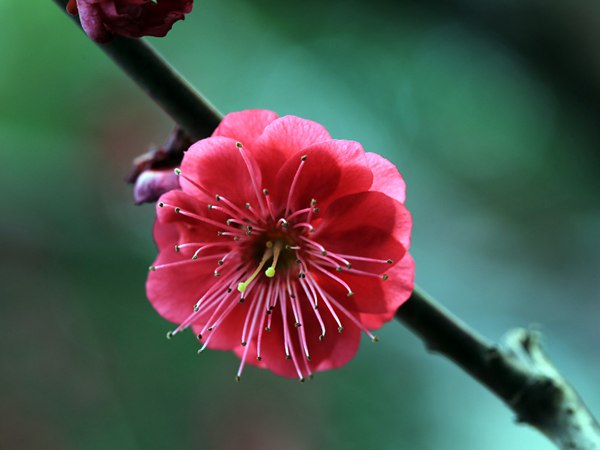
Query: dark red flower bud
(103, 19)
(153, 172)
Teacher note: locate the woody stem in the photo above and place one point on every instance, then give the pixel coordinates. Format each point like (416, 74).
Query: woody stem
(186, 106)
(517, 371)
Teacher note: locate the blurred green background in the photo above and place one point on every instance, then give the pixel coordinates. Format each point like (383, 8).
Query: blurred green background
(489, 108)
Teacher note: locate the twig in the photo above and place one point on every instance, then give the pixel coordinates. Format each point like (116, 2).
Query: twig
(186, 106)
(518, 372)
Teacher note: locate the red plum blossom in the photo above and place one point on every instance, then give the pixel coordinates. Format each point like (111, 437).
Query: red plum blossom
(282, 244)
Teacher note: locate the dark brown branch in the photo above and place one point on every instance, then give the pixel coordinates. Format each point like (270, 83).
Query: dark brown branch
(518, 372)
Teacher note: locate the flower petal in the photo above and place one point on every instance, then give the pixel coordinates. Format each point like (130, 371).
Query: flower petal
(175, 301)
(245, 126)
(375, 300)
(366, 224)
(281, 139)
(386, 177)
(332, 169)
(217, 165)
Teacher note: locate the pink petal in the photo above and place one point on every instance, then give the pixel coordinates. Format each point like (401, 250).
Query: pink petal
(396, 290)
(217, 165)
(281, 139)
(380, 224)
(332, 169)
(175, 301)
(245, 126)
(386, 177)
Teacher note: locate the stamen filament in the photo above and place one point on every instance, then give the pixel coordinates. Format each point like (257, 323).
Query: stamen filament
(293, 186)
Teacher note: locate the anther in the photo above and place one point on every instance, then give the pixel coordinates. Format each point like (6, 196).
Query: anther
(389, 261)
(259, 358)
(247, 205)
(239, 145)
(350, 294)
(316, 210)
(169, 334)
(228, 222)
(265, 192)
(321, 337)
(340, 329)
(287, 356)
(177, 248)
(237, 379)
(161, 204)
(221, 262)
(267, 328)
(216, 274)
(384, 276)
(210, 207)
(297, 324)
(243, 344)
(338, 268)
(303, 157)
(177, 210)
(177, 171)
(196, 308)
(374, 339)
(218, 197)
(199, 337)
(313, 202)
(308, 357)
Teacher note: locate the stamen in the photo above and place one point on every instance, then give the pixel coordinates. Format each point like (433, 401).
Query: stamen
(334, 277)
(289, 348)
(191, 215)
(266, 256)
(270, 272)
(269, 204)
(202, 189)
(293, 186)
(252, 175)
(305, 225)
(324, 297)
(297, 213)
(362, 258)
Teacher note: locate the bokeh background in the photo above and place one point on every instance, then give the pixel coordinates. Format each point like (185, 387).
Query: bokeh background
(489, 108)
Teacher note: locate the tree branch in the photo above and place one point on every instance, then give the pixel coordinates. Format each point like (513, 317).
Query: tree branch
(518, 371)
(186, 106)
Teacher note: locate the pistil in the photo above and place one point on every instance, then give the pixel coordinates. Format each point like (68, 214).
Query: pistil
(242, 286)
